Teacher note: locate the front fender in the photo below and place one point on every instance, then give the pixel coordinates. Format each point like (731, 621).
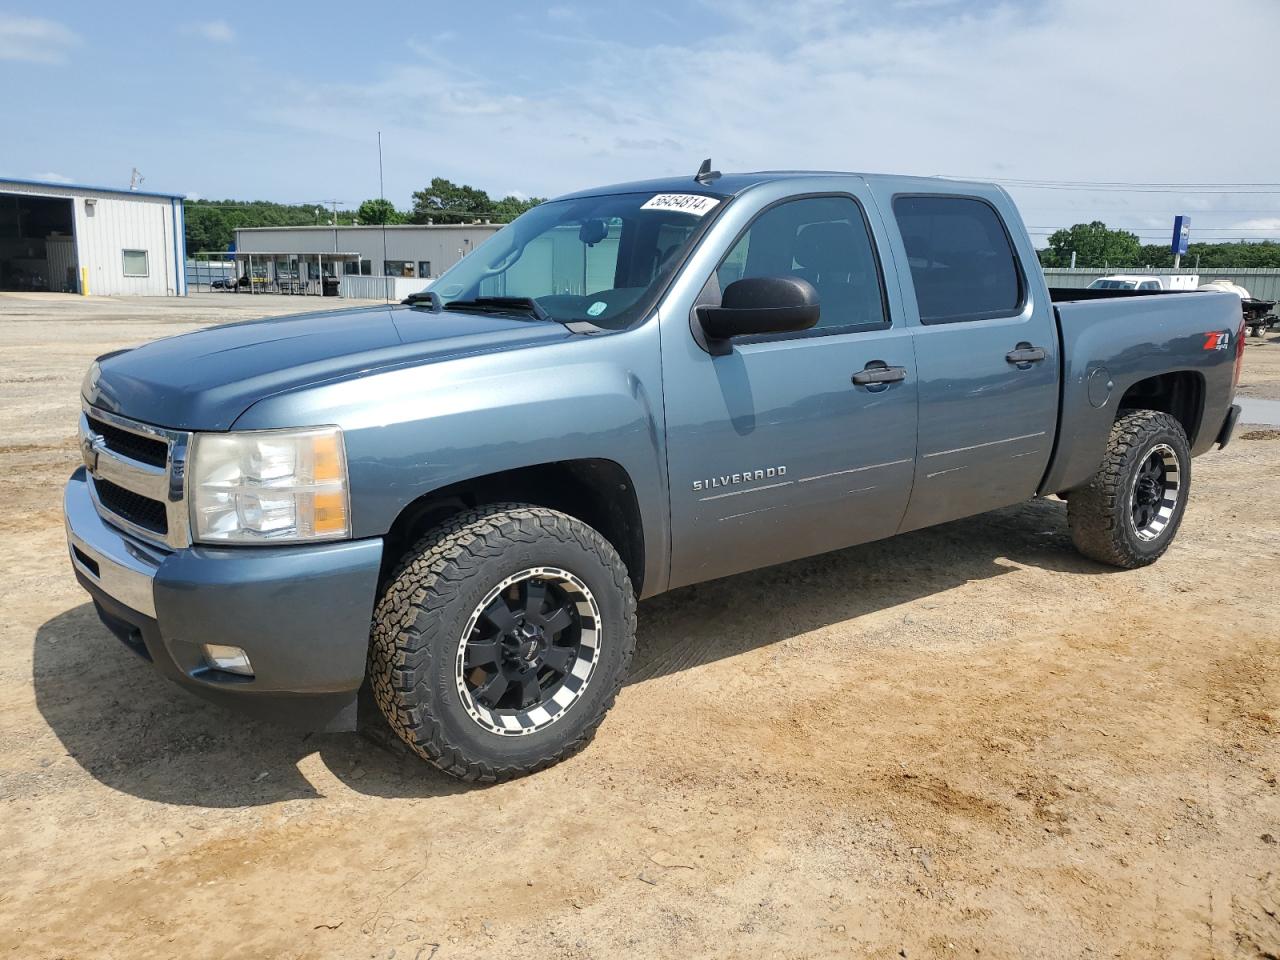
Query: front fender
(411, 431)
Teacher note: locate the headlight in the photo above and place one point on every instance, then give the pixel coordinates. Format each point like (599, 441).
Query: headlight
(269, 486)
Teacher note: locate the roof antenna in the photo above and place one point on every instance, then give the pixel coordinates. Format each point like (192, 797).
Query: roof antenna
(705, 174)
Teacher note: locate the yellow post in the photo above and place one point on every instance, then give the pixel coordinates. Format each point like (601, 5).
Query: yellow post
(84, 281)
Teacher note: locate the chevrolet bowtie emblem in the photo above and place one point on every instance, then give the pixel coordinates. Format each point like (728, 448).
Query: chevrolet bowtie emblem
(90, 444)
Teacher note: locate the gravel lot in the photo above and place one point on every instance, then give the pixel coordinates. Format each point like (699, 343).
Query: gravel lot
(963, 742)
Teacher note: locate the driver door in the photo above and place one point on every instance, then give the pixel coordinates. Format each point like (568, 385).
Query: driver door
(774, 452)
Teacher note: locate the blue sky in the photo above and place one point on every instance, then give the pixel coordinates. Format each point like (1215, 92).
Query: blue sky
(283, 101)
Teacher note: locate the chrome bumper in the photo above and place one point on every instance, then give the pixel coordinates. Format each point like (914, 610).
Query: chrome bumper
(123, 567)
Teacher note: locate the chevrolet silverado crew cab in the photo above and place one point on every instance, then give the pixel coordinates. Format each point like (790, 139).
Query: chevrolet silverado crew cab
(455, 503)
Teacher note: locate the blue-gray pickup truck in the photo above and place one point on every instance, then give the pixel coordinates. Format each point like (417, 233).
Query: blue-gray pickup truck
(450, 507)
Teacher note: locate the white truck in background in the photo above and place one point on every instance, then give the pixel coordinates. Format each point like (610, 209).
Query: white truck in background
(1126, 281)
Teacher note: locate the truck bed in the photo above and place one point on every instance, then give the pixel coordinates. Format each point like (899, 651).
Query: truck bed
(1075, 294)
(1125, 339)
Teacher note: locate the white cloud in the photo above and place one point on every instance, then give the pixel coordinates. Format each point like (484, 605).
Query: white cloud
(34, 40)
(1032, 90)
(215, 31)
(49, 177)
(1261, 223)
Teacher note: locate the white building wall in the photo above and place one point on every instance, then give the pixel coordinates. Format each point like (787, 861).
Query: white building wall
(121, 221)
(442, 245)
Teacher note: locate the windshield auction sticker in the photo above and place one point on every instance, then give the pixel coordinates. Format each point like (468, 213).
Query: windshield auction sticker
(682, 202)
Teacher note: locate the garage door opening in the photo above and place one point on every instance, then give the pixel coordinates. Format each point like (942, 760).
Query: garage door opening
(37, 244)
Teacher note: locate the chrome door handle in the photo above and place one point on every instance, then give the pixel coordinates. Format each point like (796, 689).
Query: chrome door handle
(1025, 353)
(878, 372)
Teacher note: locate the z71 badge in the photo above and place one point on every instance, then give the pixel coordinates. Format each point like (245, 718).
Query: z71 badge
(1217, 340)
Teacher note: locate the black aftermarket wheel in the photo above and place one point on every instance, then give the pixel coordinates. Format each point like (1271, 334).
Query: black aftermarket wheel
(1129, 512)
(501, 640)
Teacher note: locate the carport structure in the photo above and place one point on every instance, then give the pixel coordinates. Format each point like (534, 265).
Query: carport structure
(291, 272)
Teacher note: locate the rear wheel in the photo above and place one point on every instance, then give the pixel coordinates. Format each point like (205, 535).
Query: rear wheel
(500, 641)
(1130, 511)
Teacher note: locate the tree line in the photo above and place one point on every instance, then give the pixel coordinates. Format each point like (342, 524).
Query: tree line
(1098, 246)
(211, 224)
(211, 227)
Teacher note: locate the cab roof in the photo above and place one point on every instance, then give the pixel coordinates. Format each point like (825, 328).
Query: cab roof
(731, 184)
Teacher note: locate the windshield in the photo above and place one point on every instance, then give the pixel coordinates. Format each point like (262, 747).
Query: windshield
(1113, 284)
(593, 260)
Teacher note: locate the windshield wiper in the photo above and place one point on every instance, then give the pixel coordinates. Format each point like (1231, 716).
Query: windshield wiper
(501, 305)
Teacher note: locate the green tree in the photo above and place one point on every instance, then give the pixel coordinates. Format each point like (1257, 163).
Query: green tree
(1094, 244)
(508, 208)
(378, 211)
(211, 224)
(447, 202)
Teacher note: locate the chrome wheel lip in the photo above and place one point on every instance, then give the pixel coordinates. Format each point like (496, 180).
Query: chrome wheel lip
(1171, 494)
(519, 723)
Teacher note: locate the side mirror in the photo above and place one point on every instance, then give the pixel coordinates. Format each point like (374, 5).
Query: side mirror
(757, 305)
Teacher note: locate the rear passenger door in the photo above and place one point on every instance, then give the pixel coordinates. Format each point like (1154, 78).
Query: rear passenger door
(986, 357)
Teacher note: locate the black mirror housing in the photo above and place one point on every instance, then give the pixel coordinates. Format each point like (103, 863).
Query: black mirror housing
(759, 305)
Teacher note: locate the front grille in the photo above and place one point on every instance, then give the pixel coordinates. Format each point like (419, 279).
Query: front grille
(134, 507)
(131, 445)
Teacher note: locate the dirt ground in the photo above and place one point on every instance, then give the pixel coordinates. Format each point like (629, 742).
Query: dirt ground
(964, 742)
(1261, 375)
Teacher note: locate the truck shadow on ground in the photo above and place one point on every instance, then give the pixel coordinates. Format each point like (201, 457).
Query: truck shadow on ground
(138, 733)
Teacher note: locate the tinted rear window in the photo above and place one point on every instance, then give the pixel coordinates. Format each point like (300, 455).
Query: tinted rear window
(962, 264)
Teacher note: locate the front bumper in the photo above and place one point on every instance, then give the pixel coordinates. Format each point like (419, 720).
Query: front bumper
(302, 613)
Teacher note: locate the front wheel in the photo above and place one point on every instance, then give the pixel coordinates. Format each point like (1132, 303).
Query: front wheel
(501, 639)
(1129, 512)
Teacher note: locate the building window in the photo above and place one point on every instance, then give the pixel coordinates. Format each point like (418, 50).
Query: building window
(397, 268)
(350, 268)
(424, 268)
(135, 263)
(366, 268)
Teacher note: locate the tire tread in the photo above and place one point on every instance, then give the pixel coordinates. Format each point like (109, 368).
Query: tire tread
(425, 581)
(1095, 512)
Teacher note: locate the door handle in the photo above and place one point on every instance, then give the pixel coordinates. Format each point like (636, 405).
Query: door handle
(877, 371)
(1025, 354)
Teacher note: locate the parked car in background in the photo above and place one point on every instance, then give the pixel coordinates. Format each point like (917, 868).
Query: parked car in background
(459, 500)
(1175, 281)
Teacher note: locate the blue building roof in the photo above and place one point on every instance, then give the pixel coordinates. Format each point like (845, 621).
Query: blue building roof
(93, 189)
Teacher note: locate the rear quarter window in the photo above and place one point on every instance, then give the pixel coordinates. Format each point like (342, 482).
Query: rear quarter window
(963, 266)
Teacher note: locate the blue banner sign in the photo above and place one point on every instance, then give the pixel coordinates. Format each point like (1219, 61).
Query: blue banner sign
(1181, 234)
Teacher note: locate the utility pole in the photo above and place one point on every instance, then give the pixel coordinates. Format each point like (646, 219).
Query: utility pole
(382, 195)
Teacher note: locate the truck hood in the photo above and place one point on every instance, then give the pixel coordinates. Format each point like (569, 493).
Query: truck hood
(207, 379)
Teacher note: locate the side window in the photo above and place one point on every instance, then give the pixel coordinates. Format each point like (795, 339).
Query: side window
(962, 264)
(824, 240)
(1149, 285)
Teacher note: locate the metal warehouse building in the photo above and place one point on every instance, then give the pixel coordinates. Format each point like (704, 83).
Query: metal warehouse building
(281, 255)
(68, 238)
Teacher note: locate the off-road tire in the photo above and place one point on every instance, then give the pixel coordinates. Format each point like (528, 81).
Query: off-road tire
(1100, 513)
(422, 613)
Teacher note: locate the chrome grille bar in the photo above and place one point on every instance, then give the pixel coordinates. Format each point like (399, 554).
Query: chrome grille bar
(166, 485)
